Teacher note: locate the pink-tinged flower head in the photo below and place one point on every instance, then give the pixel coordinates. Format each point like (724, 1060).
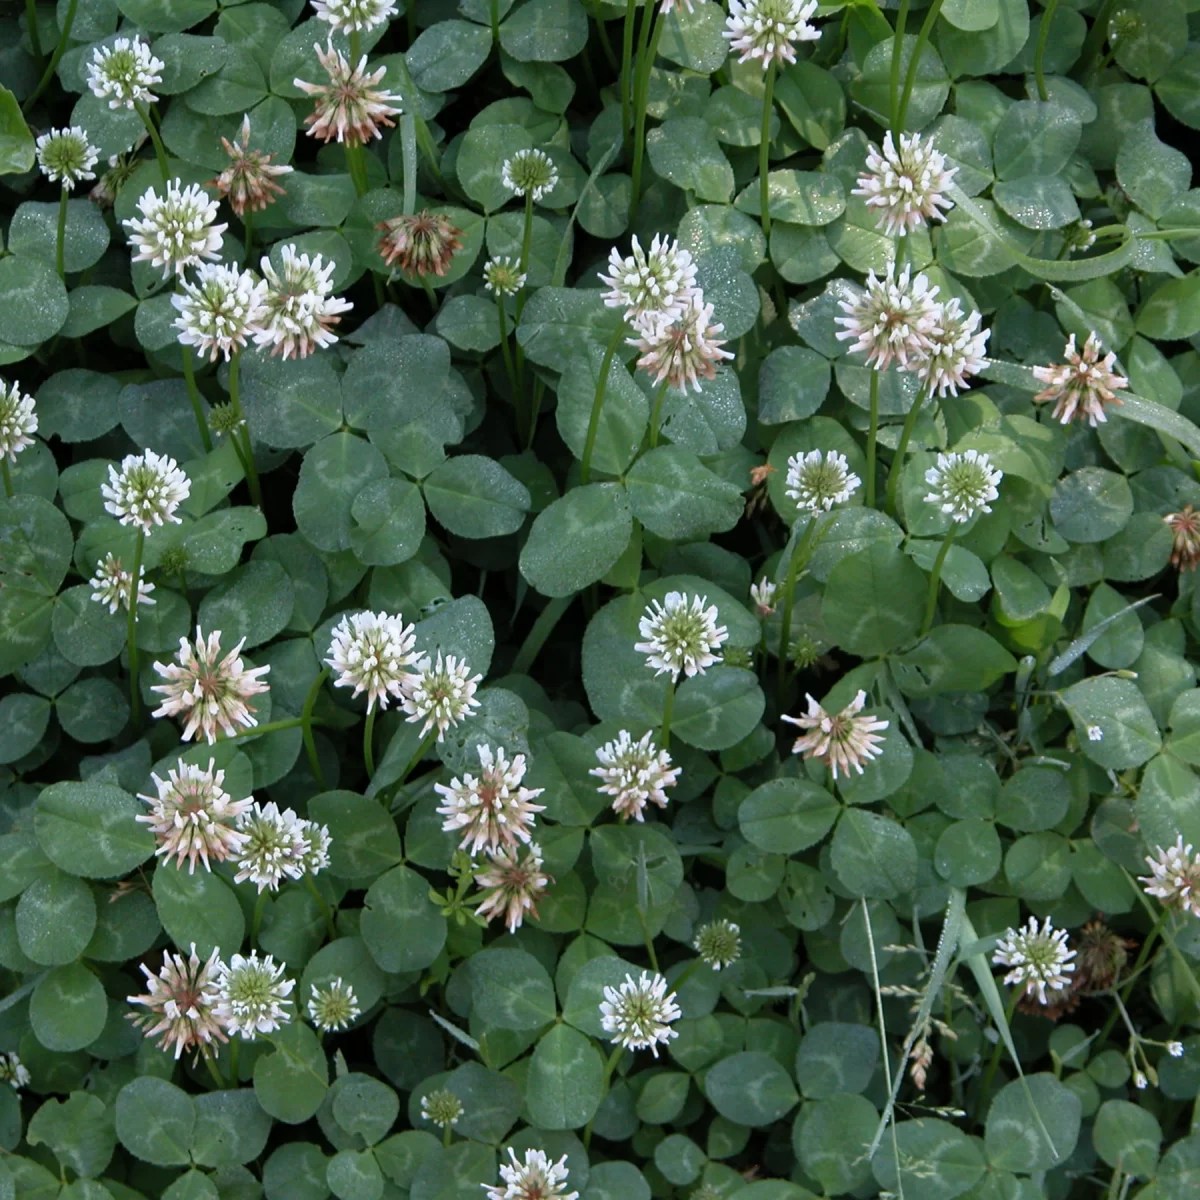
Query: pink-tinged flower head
(683, 350)
(891, 318)
(181, 1000)
(493, 810)
(537, 1178)
(955, 351)
(1083, 385)
(767, 30)
(348, 107)
(248, 183)
(422, 244)
(512, 881)
(193, 817)
(1174, 877)
(906, 186)
(634, 774)
(842, 741)
(1185, 530)
(298, 311)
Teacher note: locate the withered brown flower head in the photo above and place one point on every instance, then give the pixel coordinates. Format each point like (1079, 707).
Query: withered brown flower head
(1101, 956)
(249, 180)
(1185, 528)
(423, 244)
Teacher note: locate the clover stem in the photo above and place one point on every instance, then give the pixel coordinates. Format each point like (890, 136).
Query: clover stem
(910, 77)
(799, 557)
(494, 9)
(645, 59)
(368, 739)
(244, 431)
(509, 369)
(1094, 42)
(256, 920)
(270, 727)
(421, 751)
(872, 438)
(764, 151)
(64, 40)
(1139, 963)
(135, 697)
(213, 1069)
(526, 236)
(248, 230)
(160, 151)
(326, 911)
(35, 37)
(627, 71)
(894, 471)
(60, 243)
(189, 377)
(897, 54)
(8, 485)
(935, 578)
(656, 415)
(585, 466)
(233, 1060)
(668, 712)
(356, 163)
(1043, 38)
(310, 744)
(993, 1062)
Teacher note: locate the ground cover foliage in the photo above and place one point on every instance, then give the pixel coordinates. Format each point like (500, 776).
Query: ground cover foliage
(711, 715)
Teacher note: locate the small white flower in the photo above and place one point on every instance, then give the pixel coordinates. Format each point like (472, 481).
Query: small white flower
(220, 310)
(66, 156)
(1083, 385)
(373, 653)
(146, 491)
(299, 311)
(13, 1072)
(818, 481)
(634, 774)
(493, 810)
(512, 883)
(682, 350)
(1095, 733)
(679, 635)
(276, 846)
(842, 741)
(1039, 958)
(1079, 237)
(719, 944)
(124, 73)
(349, 107)
(891, 318)
(1174, 877)
(252, 995)
(537, 1178)
(502, 276)
(209, 691)
(639, 1013)
(530, 172)
(357, 16)
(333, 1006)
(963, 484)
(955, 351)
(441, 1107)
(763, 595)
(440, 693)
(113, 584)
(651, 286)
(767, 30)
(1140, 1081)
(176, 231)
(1175, 1049)
(182, 1002)
(906, 185)
(18, 420)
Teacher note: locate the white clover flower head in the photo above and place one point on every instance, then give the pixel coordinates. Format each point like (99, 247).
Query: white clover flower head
(512, 881)
(1039, 958)
(679, 634)
(219, 310)
(349, 107)
(316, 840)
(955, 351)
(891, 318)
(441, 693)
(963, 484)
(146, 491)
(1174, 877)
(299, 312)
(530, 172)
(817, 481)
(18, 420)
(13, 1071)
(194, 817)
(842, 741)
(124, 73)
(634, 774)
(355, 16)
(66, 156)
(763, 595)
(441, 1107)
(537, 1178)
(372, 653)
(252, 995)
(684, 349)
(767, 30)
(650, 285)
(277, 845)
(177, 230)
(333, 1006)
(493, 811)
(1083, 385)
(1095, 733)
(503, 276)
(181, 999)
(209, 691)
(1175, 1049)
(638, 1014)
(248, 183)
(113, 586)
(906, 186)
(719, 944)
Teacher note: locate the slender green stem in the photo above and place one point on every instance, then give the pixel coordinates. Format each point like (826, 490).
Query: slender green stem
(244, 432)
(189, 377)
(526, 241)
(1135, 971)
(645, 60)
(270, 727)
(897, 467)
(935, 578)
(211, 1063)
(510, 370)
(310, 743)
(799, 558)
(668, 712)
(8, 484)
(656, 413)
(535, 639)
(1043, 38)
(910, 77)
(326, 911)
(764, 151)
(160, 151)
(234, 1044)
(1094, 42)
(60, 245)
(35, 36)
(539, 389)
(647, 940)
(368, 743)
(897, 53)
(495, 15)
(872, 438)
(986, 1086)
(256, 920)
(627, 70)
(355, 47)
(356, 163)
(135, 692)
(585, 466)
(883, 1046)
(248, 230)
(64, 40)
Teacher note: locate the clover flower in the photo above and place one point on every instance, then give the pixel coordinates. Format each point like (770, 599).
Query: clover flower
(1039, 958)
(1079, 237)
(842, 741)
(440, 693)
(276, 846)
(537, 1178)
(817, 481)
(124, 73)
(298, 312)
(1185, 532)
(907, 186)
(502, 276)
(209, 691)
(146, 491)
(422, 244)
(181, 1000)
(249, 180)
(1095, 733)
(13, 1071)
(530, 172)
(955, 350)
(681, 635)
(651, 286)
(175, 231)
(372, 652)
(441, 1107)
(891, 318)
(1083, 385)
(767, 30)
(638, 1014)
(512, 882)
(66, 156)
(315, 842)
(252, 995)
(120, 169)
(963, 484)
(348, 107)
(193, 817)
(1174, 877)
(333, 1006)
(355, 16)
(220, 310)
(634, 774)
(763, 595)
(18, 420)
(492, 810)
(684, 350)
(1175, 1049)
(719, 944)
